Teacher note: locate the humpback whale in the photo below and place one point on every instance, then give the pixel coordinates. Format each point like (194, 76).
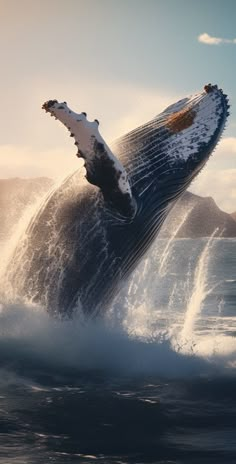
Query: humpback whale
(93, 229)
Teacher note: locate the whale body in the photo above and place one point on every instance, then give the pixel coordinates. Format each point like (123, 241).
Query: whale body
(93, 229)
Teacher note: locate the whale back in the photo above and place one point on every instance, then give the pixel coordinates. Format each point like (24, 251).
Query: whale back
(79, 247)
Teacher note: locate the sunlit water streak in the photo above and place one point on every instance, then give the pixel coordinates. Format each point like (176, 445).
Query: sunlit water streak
(158, 305)
(168, 248)
(200, 290)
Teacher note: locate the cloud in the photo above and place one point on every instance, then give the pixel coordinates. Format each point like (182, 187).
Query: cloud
(141, 106)
(46, 148)
(217, 180)
(219, 185)
(227, 145)
(210, 40)
(26, 161)
(119, 106)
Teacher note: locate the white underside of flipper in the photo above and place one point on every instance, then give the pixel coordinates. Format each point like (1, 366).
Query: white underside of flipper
(102, 167)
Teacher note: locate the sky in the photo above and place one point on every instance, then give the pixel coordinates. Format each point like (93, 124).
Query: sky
(121, 62)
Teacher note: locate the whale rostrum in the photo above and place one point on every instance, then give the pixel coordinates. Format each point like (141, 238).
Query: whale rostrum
(91, 232)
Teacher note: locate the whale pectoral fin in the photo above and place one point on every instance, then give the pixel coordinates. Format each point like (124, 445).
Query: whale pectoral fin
(102, 167)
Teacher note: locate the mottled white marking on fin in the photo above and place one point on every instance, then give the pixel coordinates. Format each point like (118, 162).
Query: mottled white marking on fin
(102, 167)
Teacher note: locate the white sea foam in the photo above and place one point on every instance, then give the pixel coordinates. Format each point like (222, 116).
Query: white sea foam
(140, 334)
(28, 335)
(31, 341)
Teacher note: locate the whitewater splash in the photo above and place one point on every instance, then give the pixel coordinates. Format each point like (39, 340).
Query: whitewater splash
(151, 326)
(168, 248)
(18, 235)
(200, 290)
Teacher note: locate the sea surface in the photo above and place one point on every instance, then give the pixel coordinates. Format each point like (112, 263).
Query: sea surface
(154, 381)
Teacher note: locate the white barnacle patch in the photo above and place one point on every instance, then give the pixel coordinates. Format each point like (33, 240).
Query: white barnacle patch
(103, 168)
(193, 122)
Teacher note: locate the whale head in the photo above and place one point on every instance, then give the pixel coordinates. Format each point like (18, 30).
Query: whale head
(171, 149)
(192, 129)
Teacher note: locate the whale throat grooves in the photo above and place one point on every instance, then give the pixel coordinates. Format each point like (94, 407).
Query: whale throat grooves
(92, 231)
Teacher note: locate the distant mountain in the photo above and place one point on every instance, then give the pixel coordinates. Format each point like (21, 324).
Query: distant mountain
(195, 216)
(234, 215)
(192, 217)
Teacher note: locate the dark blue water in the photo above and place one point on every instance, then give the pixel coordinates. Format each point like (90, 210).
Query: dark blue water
(152, 383)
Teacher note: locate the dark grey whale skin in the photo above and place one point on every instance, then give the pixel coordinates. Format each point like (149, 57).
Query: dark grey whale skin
(78, 248)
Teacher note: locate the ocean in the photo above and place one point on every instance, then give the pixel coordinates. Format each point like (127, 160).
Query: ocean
(153, 381)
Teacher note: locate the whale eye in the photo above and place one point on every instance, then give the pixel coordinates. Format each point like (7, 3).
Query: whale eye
(181, 120)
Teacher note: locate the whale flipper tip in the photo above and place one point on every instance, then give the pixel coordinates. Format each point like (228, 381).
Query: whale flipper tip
(103, 168)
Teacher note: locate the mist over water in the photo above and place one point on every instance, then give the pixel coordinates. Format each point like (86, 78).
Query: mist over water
(152, 381)
(158, 323)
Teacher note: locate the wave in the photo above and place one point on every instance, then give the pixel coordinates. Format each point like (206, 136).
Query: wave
(33, 345)
(152, 327)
